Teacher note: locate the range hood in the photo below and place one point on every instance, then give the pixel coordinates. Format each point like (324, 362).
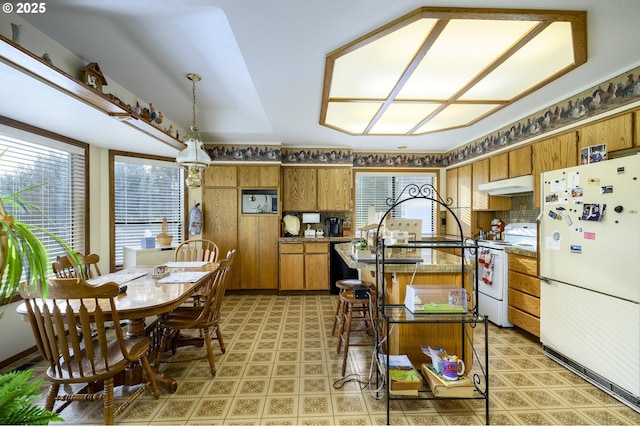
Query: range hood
(507, 187)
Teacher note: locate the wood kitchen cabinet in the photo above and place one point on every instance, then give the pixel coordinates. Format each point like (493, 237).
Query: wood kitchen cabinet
(259, 176)
(299, 189)
(220, 223)
(482, 200)
(452, 193)
(334, 188)
(616, 133)
(520, 161)
(499, 166)
(514, 163)
(524, 293)
(304, 266)
(316, 189)
(554, 153)
(255, 236)
(226, 176)
(258, 251)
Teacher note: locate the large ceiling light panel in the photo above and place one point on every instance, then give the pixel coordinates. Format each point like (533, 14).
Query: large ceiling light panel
(441, 68)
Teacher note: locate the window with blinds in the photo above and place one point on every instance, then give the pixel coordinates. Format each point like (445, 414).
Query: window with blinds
(374, 188)
(146, 191)
(60, 168)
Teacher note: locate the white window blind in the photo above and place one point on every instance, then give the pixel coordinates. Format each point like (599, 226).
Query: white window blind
(374, 188)
(146, 191)
(31, 160)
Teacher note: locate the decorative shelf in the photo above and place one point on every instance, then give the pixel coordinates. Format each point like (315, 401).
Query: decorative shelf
(38, 68)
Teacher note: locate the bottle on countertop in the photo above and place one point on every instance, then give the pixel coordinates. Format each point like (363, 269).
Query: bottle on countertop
(346, 228)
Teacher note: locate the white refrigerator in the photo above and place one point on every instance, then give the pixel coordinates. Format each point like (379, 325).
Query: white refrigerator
(590, 272)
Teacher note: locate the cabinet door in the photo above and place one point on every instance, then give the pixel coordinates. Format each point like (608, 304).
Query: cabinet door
(316, 271)
(551, 154)
(299, 187)
(249, 251)
(268, 250)
(221, 176)
(269, 176)
(482, 200)
(520, 161)
(259, 176)
(464, 186)
(334, 188)
(498, 167)
(249, 176)
(220, 223)
(616, 133)
(291, 266)
(452, 188)
(258, 251)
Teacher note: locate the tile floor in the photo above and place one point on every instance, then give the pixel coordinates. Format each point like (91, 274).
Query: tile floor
(281, 368)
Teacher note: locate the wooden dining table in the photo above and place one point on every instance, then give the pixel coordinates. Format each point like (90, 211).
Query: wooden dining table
(146, 297)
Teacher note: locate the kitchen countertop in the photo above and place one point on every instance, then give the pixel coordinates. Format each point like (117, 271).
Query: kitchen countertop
(434, 261)
(319, 239)
(521, 251)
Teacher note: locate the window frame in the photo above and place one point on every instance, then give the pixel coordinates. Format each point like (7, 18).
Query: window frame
(434, 173)
(35, 135)
(112, 228)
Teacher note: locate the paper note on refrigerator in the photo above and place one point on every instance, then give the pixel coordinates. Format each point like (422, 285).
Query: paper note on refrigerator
(573, 179)
(557, 185)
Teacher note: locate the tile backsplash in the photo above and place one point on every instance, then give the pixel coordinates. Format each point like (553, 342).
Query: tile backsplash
(522, 210)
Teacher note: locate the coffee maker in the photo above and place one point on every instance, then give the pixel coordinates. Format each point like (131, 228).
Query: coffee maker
(333, 227)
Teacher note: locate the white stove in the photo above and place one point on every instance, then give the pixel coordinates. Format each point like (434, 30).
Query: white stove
(522, 235)
(492, 270)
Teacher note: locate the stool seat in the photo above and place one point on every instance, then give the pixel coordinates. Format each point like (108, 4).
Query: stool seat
(349, 284)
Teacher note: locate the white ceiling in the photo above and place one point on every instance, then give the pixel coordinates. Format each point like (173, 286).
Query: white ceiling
(262, 61)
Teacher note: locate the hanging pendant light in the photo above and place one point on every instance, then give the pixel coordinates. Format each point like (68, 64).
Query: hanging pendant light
(193, 158)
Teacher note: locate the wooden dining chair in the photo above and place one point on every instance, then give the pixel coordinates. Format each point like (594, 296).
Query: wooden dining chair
(205, 318)
(90, 263)
(72, 309)
(64, 267)
(197, 250)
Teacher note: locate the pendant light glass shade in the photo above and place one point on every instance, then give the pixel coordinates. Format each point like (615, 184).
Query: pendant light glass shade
(193, 158)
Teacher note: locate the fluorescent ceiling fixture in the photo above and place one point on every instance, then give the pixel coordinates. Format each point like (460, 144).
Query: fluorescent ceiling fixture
(442, 68)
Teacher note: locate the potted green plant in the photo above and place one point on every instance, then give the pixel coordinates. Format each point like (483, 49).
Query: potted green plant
(18, 395)
(20, 246)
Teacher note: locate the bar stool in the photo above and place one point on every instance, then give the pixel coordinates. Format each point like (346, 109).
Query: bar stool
(348, 305)
(344, 285)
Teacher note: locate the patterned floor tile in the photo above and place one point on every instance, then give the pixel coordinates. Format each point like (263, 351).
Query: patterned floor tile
(281, 368)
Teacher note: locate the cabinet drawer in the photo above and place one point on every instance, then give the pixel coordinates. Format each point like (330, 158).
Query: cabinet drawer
(525, 321)
(524, 302)
(524, 283)
(316, 248)
(524, 264)
(291, 248)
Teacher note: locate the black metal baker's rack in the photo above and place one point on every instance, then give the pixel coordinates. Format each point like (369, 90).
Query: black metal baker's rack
(399, 314)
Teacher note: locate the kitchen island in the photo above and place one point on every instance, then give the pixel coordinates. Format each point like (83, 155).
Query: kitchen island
(436, 268)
